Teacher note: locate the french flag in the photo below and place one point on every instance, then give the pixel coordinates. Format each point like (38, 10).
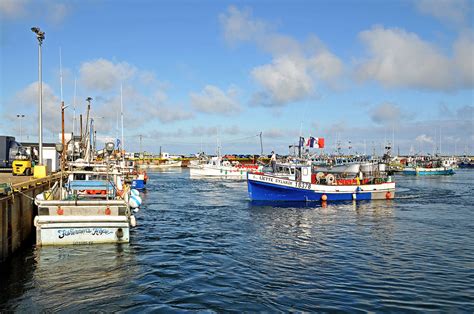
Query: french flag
(317, 142)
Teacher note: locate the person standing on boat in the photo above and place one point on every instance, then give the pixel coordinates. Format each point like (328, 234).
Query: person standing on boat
(273, 161)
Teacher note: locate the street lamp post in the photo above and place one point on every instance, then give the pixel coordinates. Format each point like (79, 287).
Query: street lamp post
(40, 37)
(20, 116)
(109, 148)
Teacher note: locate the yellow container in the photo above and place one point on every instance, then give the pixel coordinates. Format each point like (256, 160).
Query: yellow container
(39, 172)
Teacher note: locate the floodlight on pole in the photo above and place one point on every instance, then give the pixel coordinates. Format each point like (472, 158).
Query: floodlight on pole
(109, 147)
(40, 37)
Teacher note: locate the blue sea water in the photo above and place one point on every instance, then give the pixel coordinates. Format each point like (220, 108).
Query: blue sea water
(201, 245)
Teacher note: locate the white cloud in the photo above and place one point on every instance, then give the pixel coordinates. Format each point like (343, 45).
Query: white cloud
(104, 75)
(13, 8)
(54, 11)
(402, 59)
(238, 25)
(145, 98)
(213, 100)
(386, 113)
(464, 60)
(26, 101)
(326, 66)
(296, 67)
(167, 114)
(285, 80)
(423, 138)
(57, 12)
(453, 11)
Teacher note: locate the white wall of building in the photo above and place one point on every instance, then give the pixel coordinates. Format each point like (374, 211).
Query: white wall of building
(51, 159)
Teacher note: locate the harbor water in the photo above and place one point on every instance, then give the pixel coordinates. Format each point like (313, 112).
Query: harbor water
(202, 245)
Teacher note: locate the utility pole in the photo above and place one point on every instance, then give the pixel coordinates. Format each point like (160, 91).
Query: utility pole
(40, 37)
(261, 144)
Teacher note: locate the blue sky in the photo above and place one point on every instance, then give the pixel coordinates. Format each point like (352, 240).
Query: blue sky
(359, 71)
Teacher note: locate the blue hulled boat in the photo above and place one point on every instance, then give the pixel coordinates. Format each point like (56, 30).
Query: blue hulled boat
(308, 186)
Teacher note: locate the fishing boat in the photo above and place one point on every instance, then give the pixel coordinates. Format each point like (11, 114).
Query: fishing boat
(427, 167)
(169, 163)
(307, 185)
(423, 171)
(466, 162)
(220, 168)
(92, 207)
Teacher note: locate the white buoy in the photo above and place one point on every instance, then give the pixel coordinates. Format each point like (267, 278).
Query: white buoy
(354, 196)
(136, 210)
(133, 221)
(134, 192)
(134, 201)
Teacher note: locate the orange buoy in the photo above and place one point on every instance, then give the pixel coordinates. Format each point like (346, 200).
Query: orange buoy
(324, 197)
(388, 195)
(107, 211)
(60, 211)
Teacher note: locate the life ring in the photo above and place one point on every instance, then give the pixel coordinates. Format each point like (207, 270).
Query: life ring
(319, 176)
(330, 179)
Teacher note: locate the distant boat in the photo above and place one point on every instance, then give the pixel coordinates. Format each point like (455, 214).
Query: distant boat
(433, 166)
(220, 168)
(421, 171)
(466, 162)
(167, 164)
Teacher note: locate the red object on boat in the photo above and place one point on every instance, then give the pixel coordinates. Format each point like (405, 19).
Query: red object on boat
(321, 142)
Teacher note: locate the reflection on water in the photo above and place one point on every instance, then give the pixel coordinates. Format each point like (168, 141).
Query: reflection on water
(202, 245)
(61, 276)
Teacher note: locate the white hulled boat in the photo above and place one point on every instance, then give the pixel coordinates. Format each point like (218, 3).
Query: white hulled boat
(92, 207)
(220, 168)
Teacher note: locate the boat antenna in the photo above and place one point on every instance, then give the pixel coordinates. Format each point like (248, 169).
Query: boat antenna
(121, 114)
(61, 74)
(74, 109)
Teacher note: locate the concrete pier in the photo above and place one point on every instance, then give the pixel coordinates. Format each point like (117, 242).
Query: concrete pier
(17, 210)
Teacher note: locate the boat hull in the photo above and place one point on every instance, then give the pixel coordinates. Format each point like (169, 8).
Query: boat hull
(222, 172)
(171, 164)
(269, 188)
(69, 230)
(466, 165)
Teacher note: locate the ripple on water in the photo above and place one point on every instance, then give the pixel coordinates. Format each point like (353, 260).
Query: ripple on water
(200, 245)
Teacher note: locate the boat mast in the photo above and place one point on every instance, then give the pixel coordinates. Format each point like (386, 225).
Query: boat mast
(74, 109)
(121, 114)
(86, 138)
